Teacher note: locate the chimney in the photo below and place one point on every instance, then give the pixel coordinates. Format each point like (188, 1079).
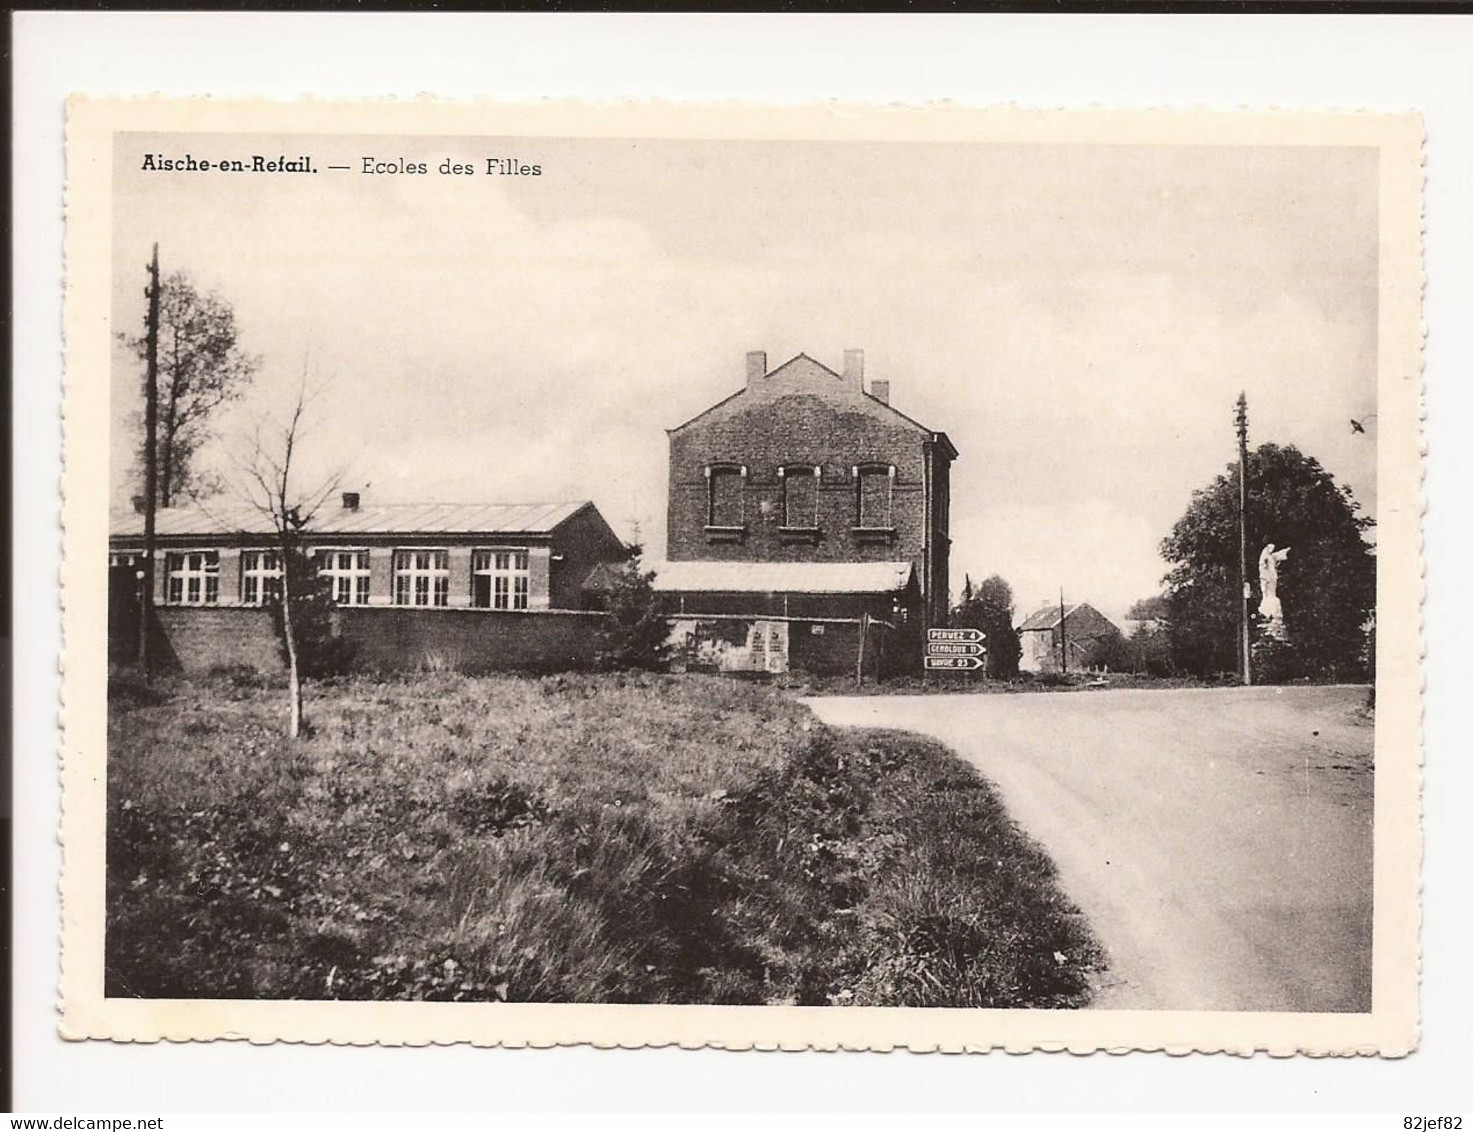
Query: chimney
(756, 366)
(350, 501)
(854, 369)
(880, 391)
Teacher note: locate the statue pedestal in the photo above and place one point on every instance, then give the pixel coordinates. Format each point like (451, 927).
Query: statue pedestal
(1273, 655)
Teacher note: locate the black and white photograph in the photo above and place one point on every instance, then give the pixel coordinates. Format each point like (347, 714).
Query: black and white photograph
(899, 580)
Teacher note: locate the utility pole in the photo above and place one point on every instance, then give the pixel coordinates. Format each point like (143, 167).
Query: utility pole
(150, 461)
(1063, 635)
(1245, 656)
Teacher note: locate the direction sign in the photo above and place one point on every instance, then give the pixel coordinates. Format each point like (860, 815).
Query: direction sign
(956, 636)
(948, 648)
(954, 663)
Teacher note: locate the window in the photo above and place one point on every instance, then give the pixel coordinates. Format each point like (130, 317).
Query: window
(500, 579)
(421, 577)
(260, 577)
(193, 578)
(800, 496)
(726, 487)
(347, 573)
(873, 496)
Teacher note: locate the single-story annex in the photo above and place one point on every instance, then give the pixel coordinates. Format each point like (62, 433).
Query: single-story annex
(409, 581)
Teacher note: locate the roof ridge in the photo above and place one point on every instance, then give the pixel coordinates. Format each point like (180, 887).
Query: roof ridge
(478, 503)
(237, 517)
(196, 506)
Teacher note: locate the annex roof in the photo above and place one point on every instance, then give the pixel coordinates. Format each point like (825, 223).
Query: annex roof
(782, 577)
(367, 519)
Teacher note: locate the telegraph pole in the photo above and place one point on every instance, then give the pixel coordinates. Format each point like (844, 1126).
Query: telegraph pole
(150, 460)
(1245, 660)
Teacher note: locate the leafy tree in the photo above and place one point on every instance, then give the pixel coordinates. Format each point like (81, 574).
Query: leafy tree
(635, 632)
(200, 367)
(989, 607)
(1327, 585)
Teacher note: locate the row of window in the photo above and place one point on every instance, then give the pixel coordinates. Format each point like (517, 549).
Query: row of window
(726, 495)
(500, 579)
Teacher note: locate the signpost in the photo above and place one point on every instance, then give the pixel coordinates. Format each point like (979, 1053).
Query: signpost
(955, 650)
(953, 663)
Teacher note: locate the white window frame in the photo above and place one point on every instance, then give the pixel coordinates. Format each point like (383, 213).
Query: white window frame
(784, 473)
(203, 576)
(433, 573)
(860, 471)
(356, 578)
(253, 572)
(510, 571)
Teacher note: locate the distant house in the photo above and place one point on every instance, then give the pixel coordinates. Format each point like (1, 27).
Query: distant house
(801, 507)
(1146, 616)
(218, 573)
(1138, 626)
(1086, 635)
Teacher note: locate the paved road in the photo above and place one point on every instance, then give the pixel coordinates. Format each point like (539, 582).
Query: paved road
(1219, 841)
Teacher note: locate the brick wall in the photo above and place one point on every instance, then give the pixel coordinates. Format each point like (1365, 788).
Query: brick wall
(469, 640)
(796, 430)
(582, 542)
(201, 638)
(197, 640)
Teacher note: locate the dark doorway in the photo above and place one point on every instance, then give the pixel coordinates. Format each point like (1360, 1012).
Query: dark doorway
(123, 612)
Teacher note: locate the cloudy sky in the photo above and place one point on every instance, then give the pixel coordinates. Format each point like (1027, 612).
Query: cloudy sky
(1079, 319)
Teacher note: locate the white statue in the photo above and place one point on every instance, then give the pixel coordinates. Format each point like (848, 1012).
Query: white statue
(1268, 581)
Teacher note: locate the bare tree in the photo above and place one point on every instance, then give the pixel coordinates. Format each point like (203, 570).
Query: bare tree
(268, 485)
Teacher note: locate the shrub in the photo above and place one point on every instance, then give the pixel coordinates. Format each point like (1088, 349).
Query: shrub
(635, 632)
(439, 663)
(321, 652)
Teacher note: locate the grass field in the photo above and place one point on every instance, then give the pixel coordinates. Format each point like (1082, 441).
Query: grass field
(612, 838)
